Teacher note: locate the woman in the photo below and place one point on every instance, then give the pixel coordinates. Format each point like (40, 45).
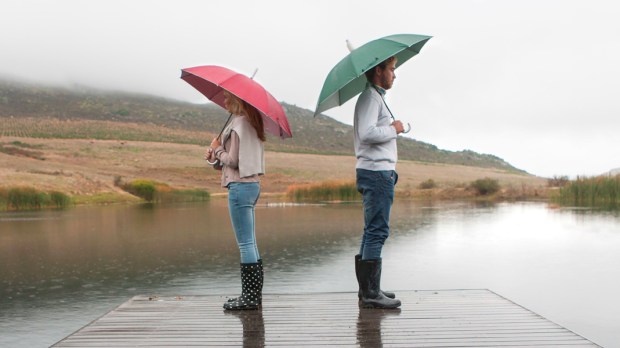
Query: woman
(241, 156)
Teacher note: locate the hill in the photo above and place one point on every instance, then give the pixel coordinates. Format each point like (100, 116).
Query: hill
(613, 172)
(82, 113)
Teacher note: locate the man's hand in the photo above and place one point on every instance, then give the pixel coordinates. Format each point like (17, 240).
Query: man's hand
(398, 126)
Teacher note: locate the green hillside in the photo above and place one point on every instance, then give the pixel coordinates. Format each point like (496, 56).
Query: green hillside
(52, 112)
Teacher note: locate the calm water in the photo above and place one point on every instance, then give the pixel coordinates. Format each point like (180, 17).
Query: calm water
(59, 270)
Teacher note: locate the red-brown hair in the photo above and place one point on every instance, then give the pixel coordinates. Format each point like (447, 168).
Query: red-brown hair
(239, 107)
(256, 120)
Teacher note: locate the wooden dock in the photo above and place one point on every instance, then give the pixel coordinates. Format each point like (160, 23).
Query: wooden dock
(445, 318)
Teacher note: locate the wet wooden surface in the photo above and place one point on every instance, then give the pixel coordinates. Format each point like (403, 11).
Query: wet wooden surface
(446, 318)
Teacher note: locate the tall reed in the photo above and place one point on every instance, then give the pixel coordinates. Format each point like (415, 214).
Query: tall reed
(324, 191)
(591, 191)
(26, 198)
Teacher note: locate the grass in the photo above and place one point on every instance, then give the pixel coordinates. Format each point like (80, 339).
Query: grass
(18, 148)
(105, 198)
(591, 191)
(143, 188)
(480, 189)
(28, 198)
(153, 191)
(324, 191)
(485, 189)
(193, 195)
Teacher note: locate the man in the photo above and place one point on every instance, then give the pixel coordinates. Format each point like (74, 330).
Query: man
(375, 149)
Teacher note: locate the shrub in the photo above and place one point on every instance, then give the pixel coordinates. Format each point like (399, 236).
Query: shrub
(324, 191)
(26, 198)
(428, 184)
(59, 199)
(558, 181)
(152, 191)
(486, 186)
(118, 181)
(142, 188)
(195, 195)
(23, 198)
(3, 198)
(121, 112)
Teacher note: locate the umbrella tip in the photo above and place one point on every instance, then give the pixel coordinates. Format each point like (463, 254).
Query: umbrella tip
(350, 45)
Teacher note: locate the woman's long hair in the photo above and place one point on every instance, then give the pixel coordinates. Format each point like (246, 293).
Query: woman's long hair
(240, 107)
(256, 120)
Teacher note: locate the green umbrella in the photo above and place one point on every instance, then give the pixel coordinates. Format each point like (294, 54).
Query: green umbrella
(346, 79)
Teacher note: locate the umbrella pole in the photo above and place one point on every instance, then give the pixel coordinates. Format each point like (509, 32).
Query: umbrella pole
(225, 124)
(220, 135)
(391, 114)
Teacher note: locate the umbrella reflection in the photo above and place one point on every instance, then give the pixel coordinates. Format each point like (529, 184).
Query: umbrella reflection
(369, 326)
(253, 327)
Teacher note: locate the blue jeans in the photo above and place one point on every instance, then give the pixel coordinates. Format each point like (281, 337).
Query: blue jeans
(377, 189)
(242, 198)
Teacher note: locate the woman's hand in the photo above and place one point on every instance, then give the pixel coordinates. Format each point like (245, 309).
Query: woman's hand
(215, 143)
(209, 154)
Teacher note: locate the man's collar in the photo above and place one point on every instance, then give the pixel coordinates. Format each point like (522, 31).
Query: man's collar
(377, 88)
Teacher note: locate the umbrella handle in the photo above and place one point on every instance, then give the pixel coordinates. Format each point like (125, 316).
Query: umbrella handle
(391, 114)
(212, 163)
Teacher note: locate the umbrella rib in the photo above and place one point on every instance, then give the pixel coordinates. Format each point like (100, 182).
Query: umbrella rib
(212, 81)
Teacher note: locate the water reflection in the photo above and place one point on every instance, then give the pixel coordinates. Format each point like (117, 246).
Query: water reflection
(61, 269)
(253, 327)
(369, 326)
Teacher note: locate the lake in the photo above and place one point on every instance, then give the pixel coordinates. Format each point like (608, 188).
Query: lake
(59, 270)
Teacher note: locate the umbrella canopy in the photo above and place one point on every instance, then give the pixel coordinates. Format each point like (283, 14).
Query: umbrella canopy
(346, 79)
(212, 80)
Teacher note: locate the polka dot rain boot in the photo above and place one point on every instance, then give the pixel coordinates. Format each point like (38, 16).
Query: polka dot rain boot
(251, 288)
(260, 291)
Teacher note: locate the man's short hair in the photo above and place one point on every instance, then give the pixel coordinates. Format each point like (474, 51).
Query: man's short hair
(370, 73)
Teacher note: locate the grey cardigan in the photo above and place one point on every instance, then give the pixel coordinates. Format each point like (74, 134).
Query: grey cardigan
(241, 152)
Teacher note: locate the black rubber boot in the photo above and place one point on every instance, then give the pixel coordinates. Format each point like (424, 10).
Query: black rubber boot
(358, 258)
(260, 290)
(251, 288)
(370, 282)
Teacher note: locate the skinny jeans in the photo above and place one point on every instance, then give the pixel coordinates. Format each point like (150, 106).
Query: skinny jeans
(377, 189)
(242, 198)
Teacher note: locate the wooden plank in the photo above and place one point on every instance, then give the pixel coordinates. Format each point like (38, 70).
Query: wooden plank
(446, 318)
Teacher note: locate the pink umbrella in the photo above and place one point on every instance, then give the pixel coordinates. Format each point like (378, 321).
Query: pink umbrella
(212, 80)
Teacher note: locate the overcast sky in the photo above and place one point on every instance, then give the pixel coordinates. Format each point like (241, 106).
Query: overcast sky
(536, 83)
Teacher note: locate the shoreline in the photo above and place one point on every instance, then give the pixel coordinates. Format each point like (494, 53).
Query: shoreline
(280, 198)
(87, 171)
